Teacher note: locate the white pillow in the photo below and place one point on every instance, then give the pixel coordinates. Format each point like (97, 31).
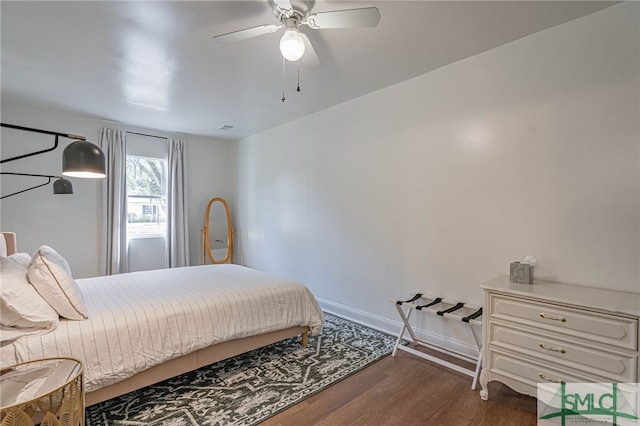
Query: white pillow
(20, 304)
(23, 259)
(51, 276)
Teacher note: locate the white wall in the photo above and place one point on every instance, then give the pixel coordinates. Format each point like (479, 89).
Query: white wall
(71, 223)
(438, 183)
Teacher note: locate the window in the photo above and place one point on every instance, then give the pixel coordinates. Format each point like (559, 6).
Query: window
(148, 210)
(146, 197)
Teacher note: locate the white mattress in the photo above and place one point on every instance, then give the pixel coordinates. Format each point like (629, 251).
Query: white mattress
(141, 319)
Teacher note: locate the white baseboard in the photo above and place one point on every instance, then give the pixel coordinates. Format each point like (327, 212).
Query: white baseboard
(392, 327)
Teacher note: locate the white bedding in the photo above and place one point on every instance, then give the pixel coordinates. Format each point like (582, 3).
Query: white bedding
(140, 319)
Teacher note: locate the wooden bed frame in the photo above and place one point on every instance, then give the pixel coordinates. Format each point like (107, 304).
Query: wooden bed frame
(185, 363)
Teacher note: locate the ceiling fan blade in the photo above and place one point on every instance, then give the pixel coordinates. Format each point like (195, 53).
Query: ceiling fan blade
(246, 33)
(310, 58)
(350, 18)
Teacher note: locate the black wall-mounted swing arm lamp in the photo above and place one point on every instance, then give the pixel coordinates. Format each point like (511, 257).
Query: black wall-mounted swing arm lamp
(46, 132)
(60, 186)
(80, 159)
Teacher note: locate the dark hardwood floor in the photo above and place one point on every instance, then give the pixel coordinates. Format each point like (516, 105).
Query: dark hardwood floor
(407, 390)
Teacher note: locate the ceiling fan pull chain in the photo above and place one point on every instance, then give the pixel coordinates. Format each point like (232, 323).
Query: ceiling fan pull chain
(283, 98)
(298, 89)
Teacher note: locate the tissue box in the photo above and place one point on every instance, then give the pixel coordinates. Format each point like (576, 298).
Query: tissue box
(521, 273)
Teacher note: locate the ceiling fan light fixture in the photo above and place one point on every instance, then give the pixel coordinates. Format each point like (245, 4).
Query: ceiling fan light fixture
(291, 44)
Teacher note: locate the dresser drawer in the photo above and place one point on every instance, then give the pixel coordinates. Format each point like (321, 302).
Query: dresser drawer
(611, 330)
(618, 366)
(515, 367)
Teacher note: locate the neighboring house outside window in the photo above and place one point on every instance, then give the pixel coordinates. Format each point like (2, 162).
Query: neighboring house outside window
(146, 197)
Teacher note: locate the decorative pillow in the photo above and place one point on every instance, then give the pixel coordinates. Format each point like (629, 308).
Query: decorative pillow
(20, 304)
(51, 276)
(23, 259)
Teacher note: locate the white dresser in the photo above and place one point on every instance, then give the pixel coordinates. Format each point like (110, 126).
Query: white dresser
(551, 332)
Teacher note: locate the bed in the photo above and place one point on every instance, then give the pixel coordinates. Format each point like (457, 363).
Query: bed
(144, 327)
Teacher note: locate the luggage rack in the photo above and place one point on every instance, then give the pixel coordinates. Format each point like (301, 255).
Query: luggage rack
(451, 310)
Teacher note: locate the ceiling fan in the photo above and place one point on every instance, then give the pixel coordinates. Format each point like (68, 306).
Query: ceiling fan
(295, 45)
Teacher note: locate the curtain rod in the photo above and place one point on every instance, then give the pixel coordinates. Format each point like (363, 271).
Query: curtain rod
(143, 134)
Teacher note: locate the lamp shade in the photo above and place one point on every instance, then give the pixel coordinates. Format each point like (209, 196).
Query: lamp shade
(62, 186)
(84, 160)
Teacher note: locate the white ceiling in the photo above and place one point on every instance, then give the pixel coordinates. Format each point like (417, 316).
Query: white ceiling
(155, 65)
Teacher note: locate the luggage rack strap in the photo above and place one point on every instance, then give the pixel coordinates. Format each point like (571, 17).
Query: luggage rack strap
(435, 302)
(413, 299)
(451, 309)
(474, 315)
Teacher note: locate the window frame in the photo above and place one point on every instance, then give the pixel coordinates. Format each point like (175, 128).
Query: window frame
(147, 196)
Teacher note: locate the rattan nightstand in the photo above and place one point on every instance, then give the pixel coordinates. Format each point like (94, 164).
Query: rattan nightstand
(49, 391)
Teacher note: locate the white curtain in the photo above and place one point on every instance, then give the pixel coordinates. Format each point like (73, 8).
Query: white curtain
(177, 227)
(114, 198)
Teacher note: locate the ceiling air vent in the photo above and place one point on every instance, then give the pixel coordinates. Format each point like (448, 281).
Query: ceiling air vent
(225, 127)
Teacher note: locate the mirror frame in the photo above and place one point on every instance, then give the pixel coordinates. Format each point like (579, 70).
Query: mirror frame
(206, 243)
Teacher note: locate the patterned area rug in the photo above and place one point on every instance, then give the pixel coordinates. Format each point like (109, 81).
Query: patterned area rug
(252, 387)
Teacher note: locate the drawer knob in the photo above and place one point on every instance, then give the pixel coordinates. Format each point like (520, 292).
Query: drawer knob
(552, 317)
(550, 348)
(549, 379)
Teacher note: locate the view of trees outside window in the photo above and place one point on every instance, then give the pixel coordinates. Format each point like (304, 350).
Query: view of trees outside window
(146, 196)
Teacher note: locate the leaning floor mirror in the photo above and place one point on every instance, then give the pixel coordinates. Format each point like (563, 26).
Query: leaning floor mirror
(217, 234)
